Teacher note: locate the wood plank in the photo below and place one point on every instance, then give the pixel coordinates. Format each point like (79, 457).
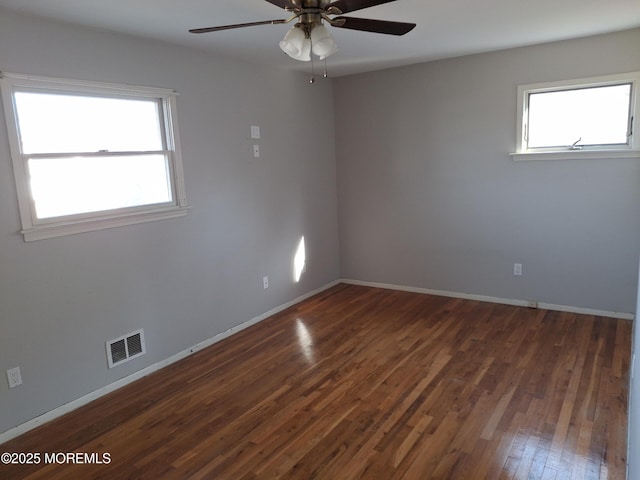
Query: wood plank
(360, 382)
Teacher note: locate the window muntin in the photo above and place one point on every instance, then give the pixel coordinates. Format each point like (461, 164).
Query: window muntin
(89, 155)
(581, 118)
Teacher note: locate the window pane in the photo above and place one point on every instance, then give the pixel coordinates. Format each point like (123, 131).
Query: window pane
(63, 123)
(68, 186)
(597, 116)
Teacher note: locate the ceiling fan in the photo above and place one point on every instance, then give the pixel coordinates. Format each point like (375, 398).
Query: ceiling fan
(309, 33)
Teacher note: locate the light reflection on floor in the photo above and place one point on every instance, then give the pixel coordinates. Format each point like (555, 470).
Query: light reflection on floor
(305, 340)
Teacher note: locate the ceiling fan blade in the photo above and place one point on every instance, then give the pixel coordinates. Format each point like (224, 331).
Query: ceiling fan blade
(348, 6)
(375, 26)
(237, 25)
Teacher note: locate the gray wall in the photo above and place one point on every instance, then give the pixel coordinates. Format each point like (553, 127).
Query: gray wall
(182, 280)
(428, 196)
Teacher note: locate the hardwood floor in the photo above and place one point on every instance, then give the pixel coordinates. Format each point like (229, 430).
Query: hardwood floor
(358, 382)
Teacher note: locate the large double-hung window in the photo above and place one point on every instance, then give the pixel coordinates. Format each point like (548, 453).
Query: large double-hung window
(88, 156)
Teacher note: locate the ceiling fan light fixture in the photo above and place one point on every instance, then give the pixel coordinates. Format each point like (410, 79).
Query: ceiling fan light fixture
(322, 42)
(296, 45)
(309, 35)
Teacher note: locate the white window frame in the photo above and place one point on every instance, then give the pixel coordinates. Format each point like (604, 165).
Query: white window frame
(37, 229)
(629, 150)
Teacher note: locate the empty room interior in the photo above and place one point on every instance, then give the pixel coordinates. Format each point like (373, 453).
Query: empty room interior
(409, 251)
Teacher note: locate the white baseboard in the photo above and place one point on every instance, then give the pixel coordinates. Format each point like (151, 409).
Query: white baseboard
(79, 402)
(486, 298)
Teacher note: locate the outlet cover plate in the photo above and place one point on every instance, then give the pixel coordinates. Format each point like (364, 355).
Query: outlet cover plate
(14, 377)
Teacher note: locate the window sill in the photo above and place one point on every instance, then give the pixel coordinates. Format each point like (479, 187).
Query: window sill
(575, 155)
(40, 232)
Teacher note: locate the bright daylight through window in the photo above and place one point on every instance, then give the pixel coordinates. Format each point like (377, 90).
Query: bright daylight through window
(579, 118)
(89, 156)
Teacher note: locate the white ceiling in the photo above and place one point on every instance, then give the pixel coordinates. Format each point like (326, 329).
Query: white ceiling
(445, 29)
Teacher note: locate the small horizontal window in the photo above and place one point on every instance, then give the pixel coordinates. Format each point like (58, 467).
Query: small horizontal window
(89, 156)
(578, 118)
(585, 115)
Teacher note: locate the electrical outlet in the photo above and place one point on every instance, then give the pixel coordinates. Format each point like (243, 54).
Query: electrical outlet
(517, 269)
(14, 377)
(265, 282)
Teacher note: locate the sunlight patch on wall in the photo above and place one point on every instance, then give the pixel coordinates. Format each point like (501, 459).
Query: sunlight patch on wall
(299, 261)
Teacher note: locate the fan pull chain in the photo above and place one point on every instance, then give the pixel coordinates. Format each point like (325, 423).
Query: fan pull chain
(313, 74)
(313, 71)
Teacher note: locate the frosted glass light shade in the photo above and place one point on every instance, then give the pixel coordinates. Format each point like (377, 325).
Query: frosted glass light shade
(322, 41)
(296, 45)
